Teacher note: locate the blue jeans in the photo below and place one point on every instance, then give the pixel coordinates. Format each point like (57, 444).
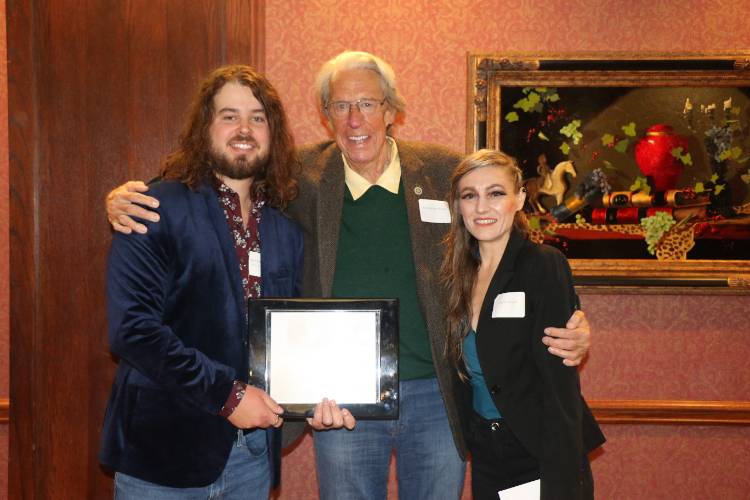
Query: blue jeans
(353, 465)
(247, 475)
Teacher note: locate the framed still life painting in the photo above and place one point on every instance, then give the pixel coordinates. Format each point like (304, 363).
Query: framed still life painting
(637, 165)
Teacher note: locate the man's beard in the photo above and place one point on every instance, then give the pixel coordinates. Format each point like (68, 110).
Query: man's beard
(240, 168)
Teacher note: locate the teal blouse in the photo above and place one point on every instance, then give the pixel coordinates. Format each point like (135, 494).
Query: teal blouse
(481, 399)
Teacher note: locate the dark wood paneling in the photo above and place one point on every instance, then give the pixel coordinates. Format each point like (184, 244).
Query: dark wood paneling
(22, 124)
(240, 48)
(97, 93)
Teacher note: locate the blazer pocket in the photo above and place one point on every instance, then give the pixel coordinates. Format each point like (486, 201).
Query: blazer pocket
(157, 407)
(163, 428)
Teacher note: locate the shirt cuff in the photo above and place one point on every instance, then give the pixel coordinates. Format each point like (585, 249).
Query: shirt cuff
(235, 396)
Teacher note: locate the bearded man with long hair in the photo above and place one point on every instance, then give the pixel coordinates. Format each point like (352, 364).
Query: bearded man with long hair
(182, 421)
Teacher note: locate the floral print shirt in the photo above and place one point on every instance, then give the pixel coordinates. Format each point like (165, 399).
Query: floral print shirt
(246, 239)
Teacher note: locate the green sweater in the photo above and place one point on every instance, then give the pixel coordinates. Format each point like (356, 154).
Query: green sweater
(374, 259)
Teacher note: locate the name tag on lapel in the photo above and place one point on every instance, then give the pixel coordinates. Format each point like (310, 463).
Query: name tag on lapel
(509, 305)
(253, 263)
(435, 211)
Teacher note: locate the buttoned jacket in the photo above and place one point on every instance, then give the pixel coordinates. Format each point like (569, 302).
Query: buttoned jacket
(538, 397)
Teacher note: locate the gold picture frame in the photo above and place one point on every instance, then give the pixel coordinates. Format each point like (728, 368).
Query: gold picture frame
(603, 89)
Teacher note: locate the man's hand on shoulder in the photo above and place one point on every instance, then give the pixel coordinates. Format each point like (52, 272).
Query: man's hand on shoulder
(127, 201)
(256, 409)
(572, 342)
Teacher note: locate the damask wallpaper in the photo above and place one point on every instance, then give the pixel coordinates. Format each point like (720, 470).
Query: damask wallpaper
(647, 347)
(426, 43)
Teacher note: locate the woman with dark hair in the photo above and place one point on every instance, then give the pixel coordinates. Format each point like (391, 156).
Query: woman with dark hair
(523, 413)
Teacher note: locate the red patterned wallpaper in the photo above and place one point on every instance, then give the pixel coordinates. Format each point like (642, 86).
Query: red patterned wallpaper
(639, 462)
(668, 347)
(427, 41)
(649, 347)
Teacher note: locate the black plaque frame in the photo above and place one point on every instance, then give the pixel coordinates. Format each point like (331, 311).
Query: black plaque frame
(260, 329)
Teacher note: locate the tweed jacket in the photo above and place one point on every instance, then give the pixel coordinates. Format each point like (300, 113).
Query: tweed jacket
(177, 321)
(425, 174)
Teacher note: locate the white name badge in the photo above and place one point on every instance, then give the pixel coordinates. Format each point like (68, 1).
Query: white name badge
(525, 491)
(509, 305)
(434, 211)
(253, 263)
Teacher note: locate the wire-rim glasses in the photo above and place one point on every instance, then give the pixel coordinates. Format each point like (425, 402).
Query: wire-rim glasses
(366, 106)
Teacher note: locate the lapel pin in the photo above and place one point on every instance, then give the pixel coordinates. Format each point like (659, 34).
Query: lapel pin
(418, 190)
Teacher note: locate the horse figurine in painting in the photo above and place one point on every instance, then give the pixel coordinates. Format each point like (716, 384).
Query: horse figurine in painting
(549, 183)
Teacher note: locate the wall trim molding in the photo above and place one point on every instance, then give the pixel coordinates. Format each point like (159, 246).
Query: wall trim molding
(670, 411)
(630, 411)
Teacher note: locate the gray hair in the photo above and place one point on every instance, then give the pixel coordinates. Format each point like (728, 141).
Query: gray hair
(359, 60)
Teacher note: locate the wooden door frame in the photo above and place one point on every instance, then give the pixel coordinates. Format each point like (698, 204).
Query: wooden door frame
(60, 366)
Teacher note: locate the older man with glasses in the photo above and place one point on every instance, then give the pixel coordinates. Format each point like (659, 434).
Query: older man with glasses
(373, 216)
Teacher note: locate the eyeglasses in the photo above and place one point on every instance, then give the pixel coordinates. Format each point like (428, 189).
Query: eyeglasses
(367, 107)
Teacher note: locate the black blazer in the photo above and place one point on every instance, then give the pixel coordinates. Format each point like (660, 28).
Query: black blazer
(538, 397)
(176, 313)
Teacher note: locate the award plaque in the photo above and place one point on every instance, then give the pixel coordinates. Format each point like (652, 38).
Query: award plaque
(304, 350)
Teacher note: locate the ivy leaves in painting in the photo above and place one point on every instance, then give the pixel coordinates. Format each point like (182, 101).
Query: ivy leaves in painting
(571, 131)
(640, 184)
(686, 159)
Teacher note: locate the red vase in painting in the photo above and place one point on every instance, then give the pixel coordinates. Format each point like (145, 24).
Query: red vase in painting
(654, 157)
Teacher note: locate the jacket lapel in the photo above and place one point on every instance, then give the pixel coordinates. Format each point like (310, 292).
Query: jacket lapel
(502, 276)
(330, 205)
(268, 234)
(413, 181)
(418, 184)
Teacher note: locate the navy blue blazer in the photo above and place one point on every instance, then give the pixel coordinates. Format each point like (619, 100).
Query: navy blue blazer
(538, 396)
(176, 315)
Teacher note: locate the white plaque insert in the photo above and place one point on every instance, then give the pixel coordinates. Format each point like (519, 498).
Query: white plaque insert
(317, 354)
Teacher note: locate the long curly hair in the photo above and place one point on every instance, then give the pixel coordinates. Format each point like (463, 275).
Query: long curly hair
(461, 258)
(190, 162)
